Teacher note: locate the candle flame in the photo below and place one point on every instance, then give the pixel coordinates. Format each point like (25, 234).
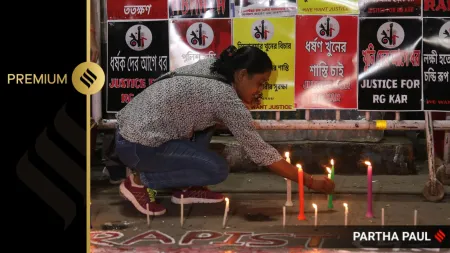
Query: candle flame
(227, 199)
(368, 163)
(345, 205)
(329, 170)
(332, 162)
(299, 166)
(315, 206)
(286, 154)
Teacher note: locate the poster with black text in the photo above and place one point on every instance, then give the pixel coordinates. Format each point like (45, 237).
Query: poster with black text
(138, 53)
(436, 64)
(390, 76)
(389, 8)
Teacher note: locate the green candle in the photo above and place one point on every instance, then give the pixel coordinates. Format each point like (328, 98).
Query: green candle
(330, 196)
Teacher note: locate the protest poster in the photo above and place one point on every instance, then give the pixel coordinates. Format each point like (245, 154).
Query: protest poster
(276, 36)
(199, 9)
(191, 40)
(323, 7)
(255, 8)
(138, 53)
(436, 8)
(326, 69)
(390, 77)
(436, 64)
(390, 8)
(136, 9)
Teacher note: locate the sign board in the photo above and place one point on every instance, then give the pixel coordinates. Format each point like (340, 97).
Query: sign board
(254, 8)
(199, 9)
(390, 8)
(327, 7)
(276, 36)
(193, 39)
(390, 77)
(138, 53)
(436, 8)
(326, 70)
(436, 64)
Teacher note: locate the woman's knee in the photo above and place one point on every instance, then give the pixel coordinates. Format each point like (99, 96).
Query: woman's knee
(220, 169)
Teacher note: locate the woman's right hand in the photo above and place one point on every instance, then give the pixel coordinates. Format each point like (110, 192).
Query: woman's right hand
(322, 184)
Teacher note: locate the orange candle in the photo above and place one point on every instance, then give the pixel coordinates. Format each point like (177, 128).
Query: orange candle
(301, 199)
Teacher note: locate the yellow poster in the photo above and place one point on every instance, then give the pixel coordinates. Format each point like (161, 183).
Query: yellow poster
(276, 36)
(328, 7)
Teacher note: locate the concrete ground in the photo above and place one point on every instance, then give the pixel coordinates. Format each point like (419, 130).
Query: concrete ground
(256, 201)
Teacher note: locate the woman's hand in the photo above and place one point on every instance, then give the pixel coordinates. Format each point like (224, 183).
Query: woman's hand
(289, 171)
(322, 184)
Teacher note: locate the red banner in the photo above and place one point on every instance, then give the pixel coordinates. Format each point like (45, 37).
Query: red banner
(326, 57)
(137, 9)
(193, 39)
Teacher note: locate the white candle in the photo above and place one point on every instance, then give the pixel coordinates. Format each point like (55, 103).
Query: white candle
(315, 214)
(288, 184)
(182, 210)
(284, 216)
(382, 216)
(346, 214)
(415, 217)
(227, 208)
(148, 215)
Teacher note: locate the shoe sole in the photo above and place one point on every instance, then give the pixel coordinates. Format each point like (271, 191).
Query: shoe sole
(130, 197)
(177, 201)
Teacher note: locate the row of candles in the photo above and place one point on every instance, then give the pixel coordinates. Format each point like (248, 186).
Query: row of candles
(301, 215)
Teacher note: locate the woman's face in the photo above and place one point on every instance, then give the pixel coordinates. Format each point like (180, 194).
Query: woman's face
(249, 87)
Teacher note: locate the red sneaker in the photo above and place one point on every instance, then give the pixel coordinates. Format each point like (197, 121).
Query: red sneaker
(197, 195)
(140, 196)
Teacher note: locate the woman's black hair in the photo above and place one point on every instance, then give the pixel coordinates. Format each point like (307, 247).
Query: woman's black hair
(253, 59)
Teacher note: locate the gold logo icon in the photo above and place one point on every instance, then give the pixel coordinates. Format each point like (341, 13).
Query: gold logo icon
(88, 78)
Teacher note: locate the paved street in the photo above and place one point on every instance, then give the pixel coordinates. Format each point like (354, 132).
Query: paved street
(254, 222)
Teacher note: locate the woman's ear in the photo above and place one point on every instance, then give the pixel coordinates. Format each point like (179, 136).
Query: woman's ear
(240, 75)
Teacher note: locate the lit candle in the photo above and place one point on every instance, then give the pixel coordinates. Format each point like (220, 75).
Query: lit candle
(330, 197)
(227, 208)
(288, 185)
(301, 193)
(382, 216)
(369, 213)
(182, 210)
(346, 214)
(315, 214)
(148, 215)
(284, 216)
(415, 217)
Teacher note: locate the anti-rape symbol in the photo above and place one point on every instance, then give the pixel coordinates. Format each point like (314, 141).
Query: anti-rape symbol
(444, 32)
(390, 35)
(327, 28)
(138, 37)
(199, 35)
(262, 30)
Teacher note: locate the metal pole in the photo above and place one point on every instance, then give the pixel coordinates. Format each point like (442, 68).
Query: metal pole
(430, 151)
(338, 115)
(447, 144)
(403, 125)
(96, 110)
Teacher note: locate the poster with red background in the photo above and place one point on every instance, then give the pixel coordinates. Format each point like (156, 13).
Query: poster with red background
(191, 40)
(326, 62)
(136, 9)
